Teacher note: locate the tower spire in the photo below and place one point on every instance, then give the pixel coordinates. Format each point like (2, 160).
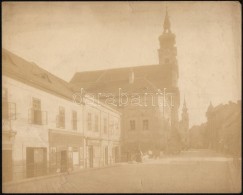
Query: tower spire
(166, 22)
(184, 101)
(184, 105)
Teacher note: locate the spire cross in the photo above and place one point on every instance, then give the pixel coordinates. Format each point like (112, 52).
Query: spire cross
(166, 21)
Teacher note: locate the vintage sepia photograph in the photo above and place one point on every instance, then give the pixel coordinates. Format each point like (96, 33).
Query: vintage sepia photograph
(121, 97)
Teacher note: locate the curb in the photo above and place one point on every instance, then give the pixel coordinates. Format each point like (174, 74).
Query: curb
(58, 175)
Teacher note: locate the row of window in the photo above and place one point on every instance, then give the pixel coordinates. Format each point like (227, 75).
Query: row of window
(145, 125)
(36, 114)
(39, 117)
(114, 126)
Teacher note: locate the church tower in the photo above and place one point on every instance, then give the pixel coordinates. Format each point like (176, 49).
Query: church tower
(167, 60)
(167, 53)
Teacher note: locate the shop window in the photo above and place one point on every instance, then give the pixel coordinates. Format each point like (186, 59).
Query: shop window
(75, 156)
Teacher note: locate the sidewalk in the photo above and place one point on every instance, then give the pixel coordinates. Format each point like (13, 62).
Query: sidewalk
(59, 174)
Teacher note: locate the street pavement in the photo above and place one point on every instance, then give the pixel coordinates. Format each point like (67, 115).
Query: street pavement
(173, 174)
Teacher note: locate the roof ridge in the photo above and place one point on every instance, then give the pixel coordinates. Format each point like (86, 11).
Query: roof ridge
(118, 68)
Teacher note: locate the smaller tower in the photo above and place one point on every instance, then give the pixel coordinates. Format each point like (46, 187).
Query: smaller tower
(185, 116)
(184, 126)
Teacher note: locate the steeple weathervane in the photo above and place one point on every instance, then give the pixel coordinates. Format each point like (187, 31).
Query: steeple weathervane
(166, 22)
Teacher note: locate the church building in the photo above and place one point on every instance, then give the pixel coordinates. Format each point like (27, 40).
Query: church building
(150, 116)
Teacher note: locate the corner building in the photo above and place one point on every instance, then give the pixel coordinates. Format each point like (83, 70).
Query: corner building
(44, 131)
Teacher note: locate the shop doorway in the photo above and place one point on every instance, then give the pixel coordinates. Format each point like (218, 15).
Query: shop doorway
(36, 161)
(64, 161)
(91, 156)
(7, 170)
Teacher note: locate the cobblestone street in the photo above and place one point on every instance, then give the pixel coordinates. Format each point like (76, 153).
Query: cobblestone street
(178, 174)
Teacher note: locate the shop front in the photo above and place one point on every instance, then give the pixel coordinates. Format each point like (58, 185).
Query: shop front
(66, 151)
(36, 161)
(94, 157)
(116, 153)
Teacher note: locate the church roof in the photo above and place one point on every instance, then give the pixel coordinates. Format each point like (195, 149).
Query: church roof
(146, 79)
(114, 74)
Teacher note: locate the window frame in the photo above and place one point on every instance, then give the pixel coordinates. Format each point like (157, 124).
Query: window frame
(130, 124)
(36, 118)
(145, 120)
(74, 120)
(96, 123)
(61, 118)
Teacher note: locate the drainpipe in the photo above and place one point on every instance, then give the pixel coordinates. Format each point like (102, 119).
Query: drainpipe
(100, 139)
(84, 140)
(108, 135)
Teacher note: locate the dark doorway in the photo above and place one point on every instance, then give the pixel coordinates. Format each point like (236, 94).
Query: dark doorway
(91, 155)
(106, 155)
(7, 169)
(64, 161)
(36, 161)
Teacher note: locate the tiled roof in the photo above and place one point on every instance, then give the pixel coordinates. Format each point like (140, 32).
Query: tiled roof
(146, 79)
(115, 74)
(31, 74)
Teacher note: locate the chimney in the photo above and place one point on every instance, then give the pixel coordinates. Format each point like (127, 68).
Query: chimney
(131, 77)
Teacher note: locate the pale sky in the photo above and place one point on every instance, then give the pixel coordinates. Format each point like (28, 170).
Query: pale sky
(66, 37)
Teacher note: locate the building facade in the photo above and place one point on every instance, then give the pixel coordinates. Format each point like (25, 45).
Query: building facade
(223, 128)
(44, 131)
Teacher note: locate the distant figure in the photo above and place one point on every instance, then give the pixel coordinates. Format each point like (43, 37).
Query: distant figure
(139, 156)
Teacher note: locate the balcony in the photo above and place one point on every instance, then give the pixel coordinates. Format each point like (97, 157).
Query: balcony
(37, 117)
(8, 114)
(8, 110)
